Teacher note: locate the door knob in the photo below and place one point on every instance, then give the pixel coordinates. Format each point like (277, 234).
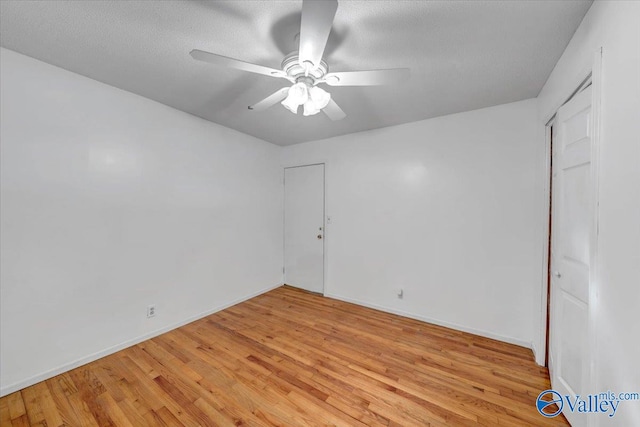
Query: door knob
(319, 236)
(557, 274)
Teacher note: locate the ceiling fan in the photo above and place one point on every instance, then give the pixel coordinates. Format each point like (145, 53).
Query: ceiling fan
(306, 68)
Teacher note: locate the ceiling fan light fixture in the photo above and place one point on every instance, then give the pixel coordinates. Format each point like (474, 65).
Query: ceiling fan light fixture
(319, 97)
(298, 95)
(310, 108)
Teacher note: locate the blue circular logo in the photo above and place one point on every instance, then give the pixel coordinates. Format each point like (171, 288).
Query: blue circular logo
(553, 398)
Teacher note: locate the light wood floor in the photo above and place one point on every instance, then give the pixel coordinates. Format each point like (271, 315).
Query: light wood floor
(290, 358)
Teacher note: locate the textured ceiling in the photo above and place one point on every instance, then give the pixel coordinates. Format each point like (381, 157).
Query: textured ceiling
(463, 55)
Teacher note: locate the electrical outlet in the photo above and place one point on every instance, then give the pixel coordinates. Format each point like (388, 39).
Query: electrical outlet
(151, 310)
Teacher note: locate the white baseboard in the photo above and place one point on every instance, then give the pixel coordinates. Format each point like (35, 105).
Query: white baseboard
(539, 355)
(446, 324)
(113, 349)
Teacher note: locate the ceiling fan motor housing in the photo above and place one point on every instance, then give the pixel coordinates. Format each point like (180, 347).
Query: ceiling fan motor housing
(294, 69)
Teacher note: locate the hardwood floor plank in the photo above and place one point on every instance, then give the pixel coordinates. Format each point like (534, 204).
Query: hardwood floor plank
(5, 416)
(293, 358)
(68, 403)
(34, 412)
(113, 411)
(20, 421)
(132, 414)
(165, 417)
(16, 405)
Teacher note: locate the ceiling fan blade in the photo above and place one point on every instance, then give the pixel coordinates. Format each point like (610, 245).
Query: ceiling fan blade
(270, 100)
(315, 26)
(223, 61)
(333, 111)
(367, 78)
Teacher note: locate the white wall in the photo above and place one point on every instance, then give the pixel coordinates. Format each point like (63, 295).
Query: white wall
(614, 26)
(444, 208)
(111, 202)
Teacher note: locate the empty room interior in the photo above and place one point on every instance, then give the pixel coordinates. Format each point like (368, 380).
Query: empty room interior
(320, 212)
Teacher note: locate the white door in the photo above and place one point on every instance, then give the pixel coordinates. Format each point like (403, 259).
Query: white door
(570, 249)
(304, 227)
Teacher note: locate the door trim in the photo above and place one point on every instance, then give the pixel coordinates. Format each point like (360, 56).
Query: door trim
(542, 350)
(595, 128)
(596, 81)
(324, 219)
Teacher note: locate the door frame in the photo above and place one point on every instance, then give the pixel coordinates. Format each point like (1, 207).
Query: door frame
(594, 73)
(324, 219)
